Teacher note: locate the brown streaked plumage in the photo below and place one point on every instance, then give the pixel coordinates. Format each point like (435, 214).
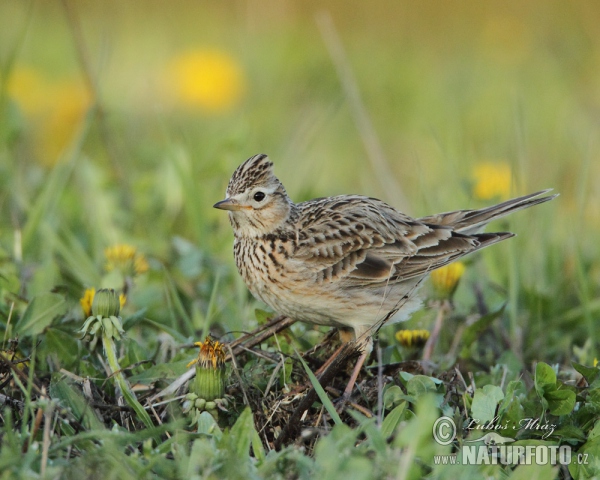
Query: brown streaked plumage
(348, 261)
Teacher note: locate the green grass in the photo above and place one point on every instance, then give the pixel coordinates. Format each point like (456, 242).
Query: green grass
(440, 89)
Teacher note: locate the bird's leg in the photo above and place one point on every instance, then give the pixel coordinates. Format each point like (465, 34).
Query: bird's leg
(329, 361)
(366, 346)
(348, 390)
(346, 336)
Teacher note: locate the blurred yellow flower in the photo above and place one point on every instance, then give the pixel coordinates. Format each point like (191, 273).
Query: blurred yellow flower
(70, 103)
(492, 180)
(126, 259)
(54, 109)
(26, 87)
(412, 338)
(595, 362)
(88, 298)
(445, 279)
(206, 79)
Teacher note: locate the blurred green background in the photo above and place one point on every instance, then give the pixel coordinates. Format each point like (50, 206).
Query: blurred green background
(121, 122)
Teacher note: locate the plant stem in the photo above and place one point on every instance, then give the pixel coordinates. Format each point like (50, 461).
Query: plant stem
(130, 398)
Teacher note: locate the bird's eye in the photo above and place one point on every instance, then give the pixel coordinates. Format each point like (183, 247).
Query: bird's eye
(259, 196)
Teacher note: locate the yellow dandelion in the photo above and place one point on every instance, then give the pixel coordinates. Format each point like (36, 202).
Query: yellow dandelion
(88, 299)
(445, 279)
(27, 87)
(211, 353)
(412, 338)
(206, 79)
(492, 180)
(125, 258)
(69, 104)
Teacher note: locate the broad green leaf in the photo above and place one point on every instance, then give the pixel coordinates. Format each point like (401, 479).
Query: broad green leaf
(589, 373)
(513, 391)
(560, 402)
(485, 400)
(242, 433)
(207, 425)
(590, 453)
(545, 378)
(420, 385)
(392, 396)
(39, 314)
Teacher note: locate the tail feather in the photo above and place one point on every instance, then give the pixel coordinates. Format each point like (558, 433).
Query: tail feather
(469, 222)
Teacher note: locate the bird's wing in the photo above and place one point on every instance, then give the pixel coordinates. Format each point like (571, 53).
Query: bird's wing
(364, 240)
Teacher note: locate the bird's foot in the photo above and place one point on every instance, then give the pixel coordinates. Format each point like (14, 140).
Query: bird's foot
(341, 402)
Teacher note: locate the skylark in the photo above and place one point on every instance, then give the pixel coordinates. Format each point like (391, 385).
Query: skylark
(348, 261)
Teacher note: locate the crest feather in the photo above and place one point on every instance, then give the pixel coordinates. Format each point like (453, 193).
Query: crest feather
(257, 170)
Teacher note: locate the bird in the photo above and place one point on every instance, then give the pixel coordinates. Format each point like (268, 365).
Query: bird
(348, 261)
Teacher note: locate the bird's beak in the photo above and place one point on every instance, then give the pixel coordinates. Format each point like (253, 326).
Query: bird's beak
(228, 204)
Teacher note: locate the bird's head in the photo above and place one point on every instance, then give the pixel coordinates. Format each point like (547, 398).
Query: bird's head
(255, 198)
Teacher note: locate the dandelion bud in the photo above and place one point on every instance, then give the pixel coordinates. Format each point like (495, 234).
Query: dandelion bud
(106, 303)
(210, 379)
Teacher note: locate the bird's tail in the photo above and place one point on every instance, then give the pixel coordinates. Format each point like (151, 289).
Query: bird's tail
(469, 222)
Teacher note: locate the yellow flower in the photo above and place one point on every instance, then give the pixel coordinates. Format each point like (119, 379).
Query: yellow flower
(126, 259)
(88, 299)
(70, 102)
(445, 279)
(492, 180)
(211, 352)
(26, 86)
(209, 384)
(595, 362)
(206, 79)
(412, 338)
(55, 110)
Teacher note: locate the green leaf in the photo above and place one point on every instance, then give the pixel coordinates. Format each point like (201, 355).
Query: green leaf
(62, 390)
(589, 373)
(392, 396)
(485, 400)
(321, 393)
(242, 433)
(473, 331)
(39, 314)
(63, 345)
(561, 402)
(162, 371)
(590, 453)
(262, 316)
(207, 425)
(545, 378)
(534, 472)
(392, 420)
(420, 385)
